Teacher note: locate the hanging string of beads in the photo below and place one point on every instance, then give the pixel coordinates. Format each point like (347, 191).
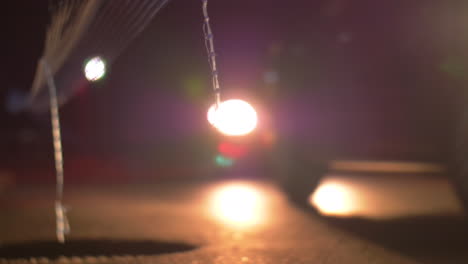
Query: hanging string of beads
(208, 33)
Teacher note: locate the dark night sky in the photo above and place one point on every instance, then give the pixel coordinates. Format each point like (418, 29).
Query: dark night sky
(383, 71)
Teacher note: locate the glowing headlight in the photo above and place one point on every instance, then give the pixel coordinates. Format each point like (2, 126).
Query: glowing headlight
(233, 117)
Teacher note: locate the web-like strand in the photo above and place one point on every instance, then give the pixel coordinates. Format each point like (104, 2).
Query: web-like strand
(62, 226)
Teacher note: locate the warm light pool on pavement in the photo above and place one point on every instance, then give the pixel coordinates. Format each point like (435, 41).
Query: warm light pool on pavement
(238, 205)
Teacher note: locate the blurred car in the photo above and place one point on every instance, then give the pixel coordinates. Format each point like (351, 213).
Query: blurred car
(371, 81)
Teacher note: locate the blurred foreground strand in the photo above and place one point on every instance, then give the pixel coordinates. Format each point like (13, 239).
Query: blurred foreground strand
(81, 29)
(62, 226)
(111, 25)
(68, 24)
(211, 53)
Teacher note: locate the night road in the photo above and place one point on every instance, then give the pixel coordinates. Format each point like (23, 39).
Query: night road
(411, 220)
(262, 132)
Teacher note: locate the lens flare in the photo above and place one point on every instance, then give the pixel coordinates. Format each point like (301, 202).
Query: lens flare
(95, 69)
(238, 205)
(223, 161)
(231, 150)
(233, 117)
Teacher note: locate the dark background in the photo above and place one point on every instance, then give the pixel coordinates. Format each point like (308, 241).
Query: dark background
(339, 78)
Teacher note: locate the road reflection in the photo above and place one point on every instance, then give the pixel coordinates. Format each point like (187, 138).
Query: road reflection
(409, 208)
(238, 204)
(385, 196)
(334, 198)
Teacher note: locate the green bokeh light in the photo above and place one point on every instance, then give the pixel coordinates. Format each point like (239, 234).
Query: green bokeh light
(195, 88)
(222, 161)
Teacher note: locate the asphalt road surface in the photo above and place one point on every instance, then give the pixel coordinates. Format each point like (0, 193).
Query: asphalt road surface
(374, 220)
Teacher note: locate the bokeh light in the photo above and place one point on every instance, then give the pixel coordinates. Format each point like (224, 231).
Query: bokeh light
(233, 117)
(232, 150)
(95, 69)
(332, 198)
(223, 161)
(238, 205)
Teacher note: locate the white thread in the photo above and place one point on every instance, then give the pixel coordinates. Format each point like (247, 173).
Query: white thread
(61, 220)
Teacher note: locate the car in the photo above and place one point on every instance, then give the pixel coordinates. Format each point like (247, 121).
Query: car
(371, 81)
